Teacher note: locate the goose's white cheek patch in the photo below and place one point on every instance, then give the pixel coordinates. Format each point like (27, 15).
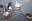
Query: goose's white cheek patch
(10, 8)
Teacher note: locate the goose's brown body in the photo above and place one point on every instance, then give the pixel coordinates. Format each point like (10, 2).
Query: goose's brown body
(7, 13)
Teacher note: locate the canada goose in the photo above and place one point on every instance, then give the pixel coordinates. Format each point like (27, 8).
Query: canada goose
(7, 12)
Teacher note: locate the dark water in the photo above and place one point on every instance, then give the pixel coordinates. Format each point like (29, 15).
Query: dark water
(17, 14)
